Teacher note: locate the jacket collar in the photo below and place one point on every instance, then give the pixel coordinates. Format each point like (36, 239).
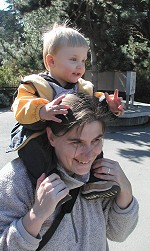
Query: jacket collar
(73, 181)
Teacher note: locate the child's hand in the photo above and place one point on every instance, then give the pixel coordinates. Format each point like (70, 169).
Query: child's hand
(48, 111)
(115, 103)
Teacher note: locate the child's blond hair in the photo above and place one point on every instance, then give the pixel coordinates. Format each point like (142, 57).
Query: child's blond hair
(59, 36)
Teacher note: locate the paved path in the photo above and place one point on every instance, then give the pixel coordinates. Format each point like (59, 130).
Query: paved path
(131, 147)
(6, 122)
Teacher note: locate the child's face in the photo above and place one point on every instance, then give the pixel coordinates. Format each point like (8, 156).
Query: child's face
(68, 64)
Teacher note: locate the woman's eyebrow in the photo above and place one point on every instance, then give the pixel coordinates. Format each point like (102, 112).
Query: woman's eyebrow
(74, 139)
(100, 135)
(79, 139)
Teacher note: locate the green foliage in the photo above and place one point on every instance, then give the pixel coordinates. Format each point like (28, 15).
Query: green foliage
(10, 75)
(10, 25)
(26, 41)
(26, 6)
(142, 93)
(137, 53)
(110, 25)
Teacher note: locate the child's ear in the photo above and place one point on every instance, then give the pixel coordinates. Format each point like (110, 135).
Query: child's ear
(51, 136)
(49, 60)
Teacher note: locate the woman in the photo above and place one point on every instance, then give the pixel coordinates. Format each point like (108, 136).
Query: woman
(26, 214)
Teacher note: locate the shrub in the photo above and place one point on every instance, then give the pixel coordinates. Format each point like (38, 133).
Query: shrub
(142, 93)
(4, 101)
(10, 74)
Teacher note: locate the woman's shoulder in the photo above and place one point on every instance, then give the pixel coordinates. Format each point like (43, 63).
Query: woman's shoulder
(15, 188)
(13, 172)
(13, 166)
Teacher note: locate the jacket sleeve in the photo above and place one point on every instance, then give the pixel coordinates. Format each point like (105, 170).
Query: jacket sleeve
(16, 200)
(85, 86)
(27, 104)
(120, 222)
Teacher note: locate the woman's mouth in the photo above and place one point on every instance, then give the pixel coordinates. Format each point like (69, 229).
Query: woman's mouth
(83, 162)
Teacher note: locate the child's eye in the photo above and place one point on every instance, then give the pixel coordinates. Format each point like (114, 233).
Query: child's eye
(73, 59)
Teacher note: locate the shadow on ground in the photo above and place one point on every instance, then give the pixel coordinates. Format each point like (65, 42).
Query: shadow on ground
(138, 136)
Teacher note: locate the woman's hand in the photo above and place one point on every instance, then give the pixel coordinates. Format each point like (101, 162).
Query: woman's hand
(110, 170)
(49, 192)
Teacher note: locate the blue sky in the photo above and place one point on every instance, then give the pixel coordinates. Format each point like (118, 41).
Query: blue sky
(3, 4)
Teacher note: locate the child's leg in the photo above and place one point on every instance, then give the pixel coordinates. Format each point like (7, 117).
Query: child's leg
(38, 157)
(96, 187)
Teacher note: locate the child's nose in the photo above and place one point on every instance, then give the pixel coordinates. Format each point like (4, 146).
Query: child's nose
(80, 65)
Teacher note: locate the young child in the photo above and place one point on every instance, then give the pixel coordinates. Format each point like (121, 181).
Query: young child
(39, 100)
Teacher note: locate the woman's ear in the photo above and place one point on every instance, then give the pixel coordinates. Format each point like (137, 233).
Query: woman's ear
(51, 136)
(49, 60)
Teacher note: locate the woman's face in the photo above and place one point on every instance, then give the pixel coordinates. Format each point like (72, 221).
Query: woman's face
(78, 148)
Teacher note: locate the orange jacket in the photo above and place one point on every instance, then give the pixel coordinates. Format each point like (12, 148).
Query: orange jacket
(27, 104)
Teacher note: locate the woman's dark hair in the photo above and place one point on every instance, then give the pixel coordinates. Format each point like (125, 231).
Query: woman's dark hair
(83, 109)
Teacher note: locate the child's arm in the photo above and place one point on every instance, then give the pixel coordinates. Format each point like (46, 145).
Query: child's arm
(29, 108)
(48, 111)
(27, 104)
(114, 102)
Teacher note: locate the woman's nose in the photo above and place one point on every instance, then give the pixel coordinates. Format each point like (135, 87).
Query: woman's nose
(87, 150)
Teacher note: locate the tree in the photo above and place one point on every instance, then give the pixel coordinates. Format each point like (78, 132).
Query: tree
(25, 47)
(114, 29)
(27, 6)
(118, 31)
(11, 30)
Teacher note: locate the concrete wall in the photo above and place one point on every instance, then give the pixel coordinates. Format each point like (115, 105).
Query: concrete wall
(109, 81)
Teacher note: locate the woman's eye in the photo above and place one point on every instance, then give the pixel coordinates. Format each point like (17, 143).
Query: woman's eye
(75, 143)
(97, 140)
